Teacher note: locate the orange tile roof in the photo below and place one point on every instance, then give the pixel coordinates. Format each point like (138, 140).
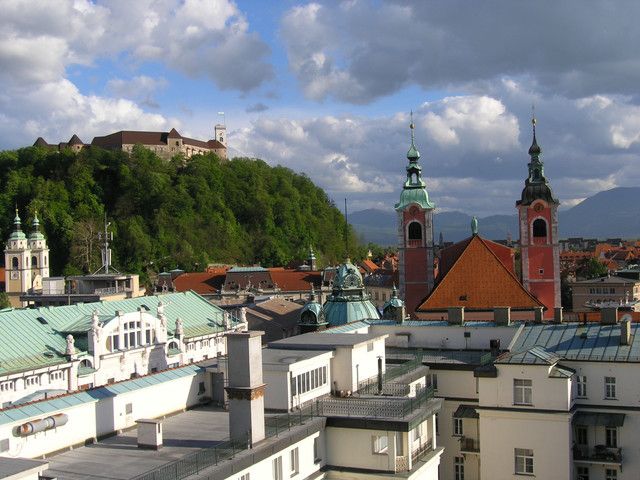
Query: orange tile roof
(369, 265)
(295, 280)
(449, 255)
(200, 282)
(478, 279)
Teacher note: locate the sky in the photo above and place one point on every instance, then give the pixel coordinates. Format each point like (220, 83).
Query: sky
(326, 88)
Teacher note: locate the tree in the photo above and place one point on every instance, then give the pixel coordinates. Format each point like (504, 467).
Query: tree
(592, 268)
(4, 300)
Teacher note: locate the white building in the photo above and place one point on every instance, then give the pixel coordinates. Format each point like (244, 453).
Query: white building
(55, 350)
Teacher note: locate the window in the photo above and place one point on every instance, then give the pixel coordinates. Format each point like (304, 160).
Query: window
(610, 474)
(458, 468)
(14, 263)
(308, 381)
(316, 449)
(539, 228)
(53, 376)
(582, 386)
(7, 386)
(583, 473)
(581, 435)
(201, 388)
(205, 344)
(524, 461)
(370, 347)
(30, 381)
(457, 426)
(522, 391)
(277, 468)
(432, 381)
(133, 332)
(245, 476)
(380, 444)
(34, 262)
(191, 346)
(415, 231)
(611, 437)
(295, 462)
(609, 387)
(419, 431)
(128, 408)
(4, 445)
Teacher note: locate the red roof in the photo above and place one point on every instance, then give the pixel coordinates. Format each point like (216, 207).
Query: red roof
(295, 280)
(478, 279)
(369, 265)
(450, 255)
(200, 282)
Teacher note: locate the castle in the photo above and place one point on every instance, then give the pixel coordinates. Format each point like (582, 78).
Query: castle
(163, 144)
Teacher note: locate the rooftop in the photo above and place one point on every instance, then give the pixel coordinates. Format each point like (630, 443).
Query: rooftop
(312, 341)
(286, 357)
(572, 341)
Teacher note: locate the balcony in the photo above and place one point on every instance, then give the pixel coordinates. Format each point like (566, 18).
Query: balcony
(599, 454)
(402, 461)
(469, 445)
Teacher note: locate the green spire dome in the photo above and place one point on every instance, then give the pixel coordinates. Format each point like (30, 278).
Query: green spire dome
(17, 233)
(414, 189)
(35, 224)
(474, 226)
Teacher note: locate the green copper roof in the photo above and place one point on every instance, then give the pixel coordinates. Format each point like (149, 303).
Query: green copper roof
(419, 196)
(340, 311)
(17, 233)
(34, 338)
(36, 234)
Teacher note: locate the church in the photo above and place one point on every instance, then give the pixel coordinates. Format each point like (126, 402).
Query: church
(476, 275)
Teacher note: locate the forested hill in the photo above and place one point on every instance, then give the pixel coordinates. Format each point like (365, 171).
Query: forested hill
(166, 214)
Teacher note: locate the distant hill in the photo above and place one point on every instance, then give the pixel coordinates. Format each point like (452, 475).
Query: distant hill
(608, 214)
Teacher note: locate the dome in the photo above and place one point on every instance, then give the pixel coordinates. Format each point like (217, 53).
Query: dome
(535, 191)
(419, 196)
(312, 313)
(339, 311)
(347, 277)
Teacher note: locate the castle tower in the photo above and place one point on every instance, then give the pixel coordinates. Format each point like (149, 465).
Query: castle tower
(39, 254)
(17, 274)
(540, 250)
(220, 133)
(415, 234)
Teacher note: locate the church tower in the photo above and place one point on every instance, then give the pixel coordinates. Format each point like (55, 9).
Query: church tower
(539, 247)
(415, 233)
(17, 275)
(39, 254)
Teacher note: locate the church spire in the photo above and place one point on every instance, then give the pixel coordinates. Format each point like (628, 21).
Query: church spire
(17, 233)
(413, 155)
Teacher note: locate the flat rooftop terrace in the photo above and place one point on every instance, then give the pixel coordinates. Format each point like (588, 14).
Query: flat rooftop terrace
(119, 457)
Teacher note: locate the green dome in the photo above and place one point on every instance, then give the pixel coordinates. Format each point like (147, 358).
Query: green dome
(341, 310)
(419, 196)
(312, 313)
(348, 276)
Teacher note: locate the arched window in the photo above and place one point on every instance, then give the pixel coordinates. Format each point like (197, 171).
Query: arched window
(14, 263)
(539, 228)
(86, 363)
(415, 231)
(34, 262)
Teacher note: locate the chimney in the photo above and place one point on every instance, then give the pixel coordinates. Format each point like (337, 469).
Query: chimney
(245, 390)
(557, 315)
(538, 314)
(455, 315)
(149, 434)
(625, 332)
(609, 316)
(401, 314)
(494, 346)
(502, 316)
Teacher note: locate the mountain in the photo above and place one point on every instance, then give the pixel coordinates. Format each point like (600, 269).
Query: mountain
(608, 214)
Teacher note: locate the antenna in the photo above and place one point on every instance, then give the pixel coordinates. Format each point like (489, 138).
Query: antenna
(106, 237)
(346, 228)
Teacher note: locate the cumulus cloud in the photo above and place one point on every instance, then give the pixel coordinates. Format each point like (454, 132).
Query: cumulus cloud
(361, 50)
(257, 108)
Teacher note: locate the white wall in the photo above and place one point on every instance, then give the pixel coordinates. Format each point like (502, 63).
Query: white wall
(95, 419)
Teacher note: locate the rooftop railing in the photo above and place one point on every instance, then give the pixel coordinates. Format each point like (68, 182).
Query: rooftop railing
(374, 407)
(598, 454)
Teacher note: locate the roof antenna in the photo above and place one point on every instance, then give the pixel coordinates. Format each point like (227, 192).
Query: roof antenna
(106, 251)
(346, 229)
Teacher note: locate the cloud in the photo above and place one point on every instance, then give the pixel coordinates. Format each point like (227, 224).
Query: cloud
(362, 50)
(256, 108)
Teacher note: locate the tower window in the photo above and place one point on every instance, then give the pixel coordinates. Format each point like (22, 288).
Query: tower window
(539, 228)
(14, 263)
(34, 262)
(415, 231)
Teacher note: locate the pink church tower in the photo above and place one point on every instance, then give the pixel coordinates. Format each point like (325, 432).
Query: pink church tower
(540, 250)
(415, 234)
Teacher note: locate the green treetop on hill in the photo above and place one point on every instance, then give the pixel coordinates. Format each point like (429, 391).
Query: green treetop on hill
(168, 214)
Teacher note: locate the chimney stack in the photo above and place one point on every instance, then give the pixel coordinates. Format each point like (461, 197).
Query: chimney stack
(557, 315)
(609, 316)
(502, 316)
(245, 390)
(455, 315)
(625, 332)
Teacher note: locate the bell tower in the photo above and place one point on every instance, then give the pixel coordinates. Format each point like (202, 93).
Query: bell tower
(415, 233)
(39, 254)
(17, 276)
(539, 247)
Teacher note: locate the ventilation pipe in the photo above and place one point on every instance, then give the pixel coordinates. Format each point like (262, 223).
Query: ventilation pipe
(40, 425)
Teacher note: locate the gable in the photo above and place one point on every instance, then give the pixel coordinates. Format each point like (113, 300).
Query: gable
(479, 280)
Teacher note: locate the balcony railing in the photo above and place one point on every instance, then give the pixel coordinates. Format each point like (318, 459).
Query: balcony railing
(421, 450)
(469, 445)
(598, 454)
(374, 407)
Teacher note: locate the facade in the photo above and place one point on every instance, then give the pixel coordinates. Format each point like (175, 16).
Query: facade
(606, 291)
(539, 243)
(56, 350)
(26, 261)
(415, 234)
(164, 144)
